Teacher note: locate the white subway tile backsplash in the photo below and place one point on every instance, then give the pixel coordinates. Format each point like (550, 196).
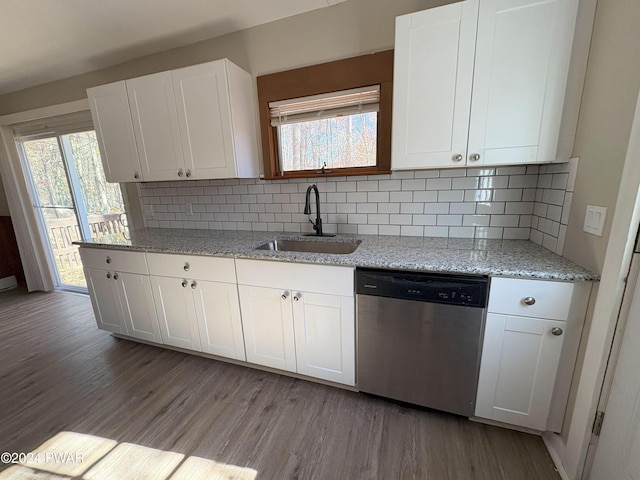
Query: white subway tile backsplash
(356, 197)
(389, 185)
(450, 220)
(400, 219)
(411, 231)
(476, 220)
(490, 208)
(462, 232)
(412, 208)
(389, 230)
(424, 219)
(378, 197)
(438, 184)
(367, 208)
(436, 208)
(415, 184)
(425, 196)
(450, 196)
(506, 202)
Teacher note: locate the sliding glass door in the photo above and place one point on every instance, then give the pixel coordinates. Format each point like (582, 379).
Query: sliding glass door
(71, 198)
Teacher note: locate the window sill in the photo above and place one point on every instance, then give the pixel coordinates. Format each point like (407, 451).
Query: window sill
(342, 172)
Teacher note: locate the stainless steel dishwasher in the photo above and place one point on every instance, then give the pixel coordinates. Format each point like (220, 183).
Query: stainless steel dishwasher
(420, 337)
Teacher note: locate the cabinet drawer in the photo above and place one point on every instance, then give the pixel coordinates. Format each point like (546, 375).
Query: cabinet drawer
(327, 279)
(214, 269)
(116, 260)
(531, 298)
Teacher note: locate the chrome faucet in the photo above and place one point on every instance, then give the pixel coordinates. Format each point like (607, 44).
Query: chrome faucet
(317, 226)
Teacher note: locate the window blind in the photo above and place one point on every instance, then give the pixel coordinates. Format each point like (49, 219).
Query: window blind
(326, 105)
(59, 125)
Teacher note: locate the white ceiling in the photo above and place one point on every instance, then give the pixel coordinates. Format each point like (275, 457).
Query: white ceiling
(46, 40)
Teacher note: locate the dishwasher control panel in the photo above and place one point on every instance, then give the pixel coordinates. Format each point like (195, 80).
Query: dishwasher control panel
(424, 287)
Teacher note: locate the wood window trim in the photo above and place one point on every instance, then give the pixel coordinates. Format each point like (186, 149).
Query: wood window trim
(362, 71)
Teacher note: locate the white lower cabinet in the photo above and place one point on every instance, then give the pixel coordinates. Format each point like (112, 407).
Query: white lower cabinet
(201, 314)
(176, 312)
(530, 345)
(519, 364)
(122, 301)
(325, 336)
(309, 330)
(267, 319)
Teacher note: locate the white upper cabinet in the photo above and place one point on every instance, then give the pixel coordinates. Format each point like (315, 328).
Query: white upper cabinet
(481, 82)
(196, 122)
(155, 123)
(433, 75)
(109, 106)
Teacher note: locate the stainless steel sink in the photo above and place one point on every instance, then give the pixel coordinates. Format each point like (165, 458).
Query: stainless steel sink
(312, 246)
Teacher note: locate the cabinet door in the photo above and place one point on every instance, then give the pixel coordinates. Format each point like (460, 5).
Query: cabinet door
(218, 313)
(522, 62)
(325, 336)
(204, 118)
(155, 122)
(267, 321)
(109, 106)
(518, 369)
(176, 312)
(433, 74)
(137, 305)
(105, 300)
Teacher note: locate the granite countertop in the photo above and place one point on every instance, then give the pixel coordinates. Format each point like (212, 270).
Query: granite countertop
(512, 258)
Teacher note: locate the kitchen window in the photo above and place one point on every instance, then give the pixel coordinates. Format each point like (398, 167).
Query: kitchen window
(329, 119)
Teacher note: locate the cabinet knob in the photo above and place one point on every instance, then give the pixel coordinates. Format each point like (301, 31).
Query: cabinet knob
(115, 276)
(557, 331)
(186, 266)
(194, 285)
(180, 173)
(297, 297)
(108, 260)
(529, 300)
(475, 157)
(457, 158)
(184, 284)
(136, 175)
(285, 295)
(108, 275)
(188, 173)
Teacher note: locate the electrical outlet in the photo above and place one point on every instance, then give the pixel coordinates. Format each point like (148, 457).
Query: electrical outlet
(149, 211)
(189, 208)
(594, 219)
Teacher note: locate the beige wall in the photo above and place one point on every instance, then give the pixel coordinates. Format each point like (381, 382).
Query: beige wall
(348, 29)
(611, 89)
(4, 207)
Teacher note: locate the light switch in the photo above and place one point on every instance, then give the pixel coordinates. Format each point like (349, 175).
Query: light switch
(594, 219)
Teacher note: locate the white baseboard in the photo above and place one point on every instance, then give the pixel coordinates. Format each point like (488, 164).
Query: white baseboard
(8, 283)
(553, 443)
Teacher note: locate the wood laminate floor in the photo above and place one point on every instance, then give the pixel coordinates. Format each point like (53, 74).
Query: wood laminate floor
(58, 373)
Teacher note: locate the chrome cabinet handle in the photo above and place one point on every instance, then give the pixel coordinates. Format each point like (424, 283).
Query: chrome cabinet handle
(188, 173)
(297, 297)
(136, 175)
(457, 158)
(194, 285)
(180, 173)
(115, 276)
(475, 157)
(529, 300)
(108, 260)
(557, 331)
(184, 284)
(108, 274)
(186, 266)
(285, 295)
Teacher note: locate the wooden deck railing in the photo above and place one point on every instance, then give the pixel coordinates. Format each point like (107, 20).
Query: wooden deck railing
(63, 231)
